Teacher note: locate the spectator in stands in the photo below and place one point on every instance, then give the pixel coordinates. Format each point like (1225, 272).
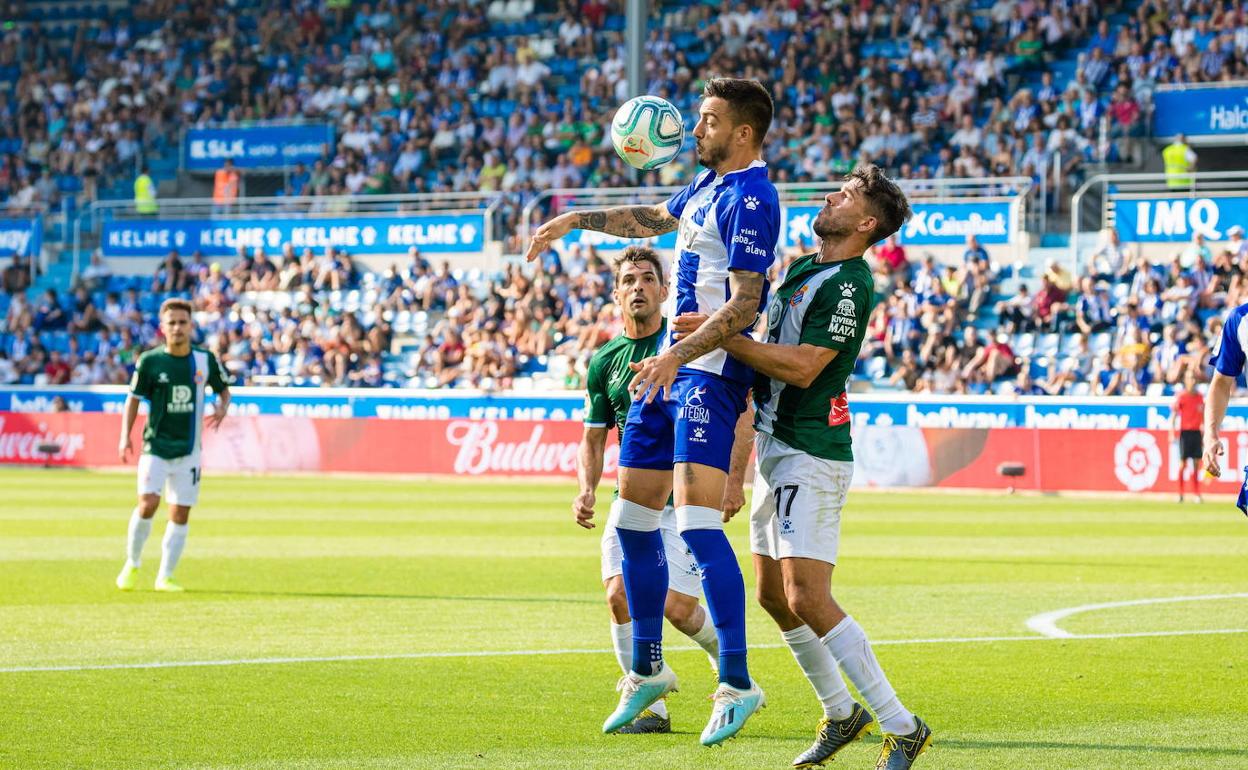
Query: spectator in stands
(8, 372)
(144, 193)
(1237, 244)
(1016, 314)
(226, 188)
(97, 273)
(170, 275)
(893, 256)
(1112, 259)
(49, 315)
(57, 370)
(1092, 313)
(1050, 306)
(16, 277)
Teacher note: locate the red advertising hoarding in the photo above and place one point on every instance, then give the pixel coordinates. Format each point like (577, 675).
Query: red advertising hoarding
(1108, 460)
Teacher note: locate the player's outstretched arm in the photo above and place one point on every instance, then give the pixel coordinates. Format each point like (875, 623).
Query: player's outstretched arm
(623, 221)
(588, 473)
(1220, 388)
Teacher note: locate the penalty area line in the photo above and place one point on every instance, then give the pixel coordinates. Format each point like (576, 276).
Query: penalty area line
(571, 651)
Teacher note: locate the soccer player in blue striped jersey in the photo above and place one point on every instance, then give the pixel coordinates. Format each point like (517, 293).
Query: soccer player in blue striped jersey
(1228, 366)
(174, 381)
(689, 396)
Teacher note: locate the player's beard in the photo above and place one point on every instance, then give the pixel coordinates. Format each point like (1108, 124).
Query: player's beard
(711, 156)
(829, 226)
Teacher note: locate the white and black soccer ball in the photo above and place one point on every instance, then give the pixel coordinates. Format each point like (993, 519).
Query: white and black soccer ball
(647, 132)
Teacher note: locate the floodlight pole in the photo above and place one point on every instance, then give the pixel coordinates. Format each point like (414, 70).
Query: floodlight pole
(635, 41)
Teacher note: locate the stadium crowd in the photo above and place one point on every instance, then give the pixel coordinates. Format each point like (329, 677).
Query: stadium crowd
(512, 96)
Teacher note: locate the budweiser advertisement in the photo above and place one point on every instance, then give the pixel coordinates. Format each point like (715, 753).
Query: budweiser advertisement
(1121, 460)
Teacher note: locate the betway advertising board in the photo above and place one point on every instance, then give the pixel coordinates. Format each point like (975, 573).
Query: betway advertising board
(432, 233)
(883, 410)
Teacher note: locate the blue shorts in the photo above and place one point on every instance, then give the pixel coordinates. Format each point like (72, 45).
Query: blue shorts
(697, 425)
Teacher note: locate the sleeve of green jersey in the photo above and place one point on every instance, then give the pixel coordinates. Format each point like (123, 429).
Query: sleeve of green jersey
(140, 383)
(838, 314)
(598, 410)
(216, 379)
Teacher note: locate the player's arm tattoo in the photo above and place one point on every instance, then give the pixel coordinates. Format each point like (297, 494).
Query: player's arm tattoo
(628, 221)
(735, 316)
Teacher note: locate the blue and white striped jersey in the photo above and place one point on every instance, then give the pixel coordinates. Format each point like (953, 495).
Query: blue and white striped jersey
(729, 222)
(1230, 358)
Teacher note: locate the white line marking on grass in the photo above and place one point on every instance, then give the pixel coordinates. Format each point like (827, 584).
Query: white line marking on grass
(1045, 623)
(604, 651)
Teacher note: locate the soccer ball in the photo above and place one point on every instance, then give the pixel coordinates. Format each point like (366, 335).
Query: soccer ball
(647, 132)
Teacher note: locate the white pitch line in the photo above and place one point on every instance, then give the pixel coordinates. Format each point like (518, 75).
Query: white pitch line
(1045, 623)
(506, 653)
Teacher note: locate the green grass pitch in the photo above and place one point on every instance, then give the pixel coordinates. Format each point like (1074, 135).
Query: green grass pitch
(354, 604)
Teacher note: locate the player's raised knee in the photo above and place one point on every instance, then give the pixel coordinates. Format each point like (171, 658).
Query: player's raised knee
(681, 611)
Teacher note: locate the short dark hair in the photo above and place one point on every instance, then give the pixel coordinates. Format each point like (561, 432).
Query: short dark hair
(637, 254)
(176, 303)
(750, 103)
(885, 200)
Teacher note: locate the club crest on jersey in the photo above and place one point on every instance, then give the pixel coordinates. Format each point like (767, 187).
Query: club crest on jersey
(162, 378)
(798, 296)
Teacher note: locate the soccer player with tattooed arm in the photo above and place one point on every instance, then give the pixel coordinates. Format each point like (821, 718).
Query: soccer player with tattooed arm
(816, 323)
(678, 436)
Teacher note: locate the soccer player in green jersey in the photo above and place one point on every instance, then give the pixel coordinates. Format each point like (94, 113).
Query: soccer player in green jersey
(172, 380)
(639, 293)
(815, 326)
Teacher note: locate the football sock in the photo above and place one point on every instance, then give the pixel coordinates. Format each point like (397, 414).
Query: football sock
(171, 548)
(136, 536)
(645, 583)
(659, 708)
(849, 646)
(820, 669)
(706, 637)
(725, 598)
(622, 643)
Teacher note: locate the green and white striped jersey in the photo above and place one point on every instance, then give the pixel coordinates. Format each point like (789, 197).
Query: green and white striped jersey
(826, 305)
(174, 387)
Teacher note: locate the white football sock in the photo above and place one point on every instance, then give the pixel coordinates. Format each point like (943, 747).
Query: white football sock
(622, 641)
(819, 666)
(171, 548)
(849, 646)
(136, 536)
(707, 639)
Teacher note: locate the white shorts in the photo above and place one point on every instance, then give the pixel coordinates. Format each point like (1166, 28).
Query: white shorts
(683, 575)
(797, 502)
(177, 480)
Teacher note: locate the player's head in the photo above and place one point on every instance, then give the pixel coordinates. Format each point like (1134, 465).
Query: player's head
(639, 285)
(733, 118)
(175, 320)
(869, 206)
